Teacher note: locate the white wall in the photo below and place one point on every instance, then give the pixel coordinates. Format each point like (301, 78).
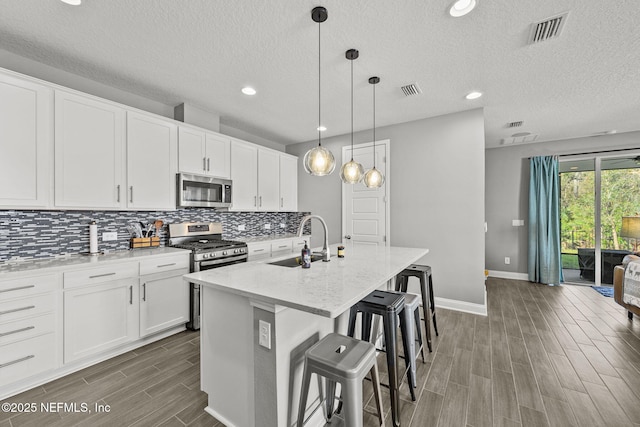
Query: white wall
(436, 195)
(507, 192)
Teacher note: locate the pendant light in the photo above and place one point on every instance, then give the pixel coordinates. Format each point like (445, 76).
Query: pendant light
(352, 171)
(319, 161)
(374, 178)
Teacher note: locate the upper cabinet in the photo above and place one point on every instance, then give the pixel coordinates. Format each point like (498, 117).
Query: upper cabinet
(263, 179)
(203, 153)
(152, 146)
(25, 142)
(89, 152)
(288, 183)
(244, 176)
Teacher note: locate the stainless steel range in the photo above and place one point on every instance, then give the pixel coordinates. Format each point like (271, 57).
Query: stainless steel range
(208, 250)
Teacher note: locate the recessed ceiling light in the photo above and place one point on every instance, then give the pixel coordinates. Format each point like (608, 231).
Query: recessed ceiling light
(474, 95)
(72, 2)
(461, 8)
(248, 90)
(321, 128)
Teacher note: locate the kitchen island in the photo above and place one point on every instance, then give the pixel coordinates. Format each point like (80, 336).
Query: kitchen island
(258, 319)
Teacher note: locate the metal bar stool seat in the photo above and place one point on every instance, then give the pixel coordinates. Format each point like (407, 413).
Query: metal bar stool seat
(388, 305)
(422, 272)
(344, 360)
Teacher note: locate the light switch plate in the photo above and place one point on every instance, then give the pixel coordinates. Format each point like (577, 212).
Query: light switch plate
(242, 227)
(264, 334)
(109, 236)
(267, 226)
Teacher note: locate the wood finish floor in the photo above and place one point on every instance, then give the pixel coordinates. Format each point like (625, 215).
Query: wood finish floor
(544, 356)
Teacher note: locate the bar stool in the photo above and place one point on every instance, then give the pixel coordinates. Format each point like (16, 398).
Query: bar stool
(388, 305)
(422, 272)
(344, 360)
(414, 331)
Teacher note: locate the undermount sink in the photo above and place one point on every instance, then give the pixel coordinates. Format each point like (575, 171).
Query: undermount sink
(294, 262)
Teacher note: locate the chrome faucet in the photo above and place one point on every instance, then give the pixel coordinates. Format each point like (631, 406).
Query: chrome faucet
(326, 256)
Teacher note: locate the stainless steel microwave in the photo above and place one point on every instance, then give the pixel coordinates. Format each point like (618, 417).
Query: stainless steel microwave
(200, 191)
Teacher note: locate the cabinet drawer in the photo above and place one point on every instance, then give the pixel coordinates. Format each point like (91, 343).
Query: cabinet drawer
(26, 286)
(27, 307)
(23, 359)
(298, 244)
(281, 246)
(92, 276)
(159, 265)
(26, 328)
(259, 250)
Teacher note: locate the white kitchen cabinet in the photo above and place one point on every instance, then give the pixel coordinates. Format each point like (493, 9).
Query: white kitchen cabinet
(288, 181)
(268, 180)
(244, 175)
(164, 301)
(100, 317)
(152, 145)
(203, 153)
(89, 153)
(26, 137)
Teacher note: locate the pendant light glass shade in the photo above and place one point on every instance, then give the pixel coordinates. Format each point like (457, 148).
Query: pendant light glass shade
(373, 178)
(319, 161)
(351, 172)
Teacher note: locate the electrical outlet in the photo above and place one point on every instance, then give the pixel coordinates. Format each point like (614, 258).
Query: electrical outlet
(267, 226)
(282, 225)
(109, 236)
(264, 331)
(507, 260)
(242, 227)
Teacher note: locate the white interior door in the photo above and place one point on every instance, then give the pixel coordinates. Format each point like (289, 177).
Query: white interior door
(365, 211)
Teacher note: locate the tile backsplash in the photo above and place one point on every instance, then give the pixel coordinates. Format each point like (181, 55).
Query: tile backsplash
(43, 234)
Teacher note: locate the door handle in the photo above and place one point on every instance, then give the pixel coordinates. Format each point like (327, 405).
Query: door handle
(348, 237)
(208, 164)
(255, 201)
(281, 202)
(144, 292)
(118, 196)
(204, 163)
(131, 189)
(260, 201)
(130, 295)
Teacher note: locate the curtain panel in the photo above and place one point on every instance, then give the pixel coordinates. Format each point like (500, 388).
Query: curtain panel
(545, 258)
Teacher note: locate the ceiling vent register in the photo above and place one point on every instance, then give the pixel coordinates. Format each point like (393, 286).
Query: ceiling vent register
(550, 28)
(411, 89)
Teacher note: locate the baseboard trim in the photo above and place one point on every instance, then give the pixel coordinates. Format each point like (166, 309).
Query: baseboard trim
(209, 410)
(466, 307)
(508, 275)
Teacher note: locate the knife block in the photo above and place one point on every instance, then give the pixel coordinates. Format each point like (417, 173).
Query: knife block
(145, 242)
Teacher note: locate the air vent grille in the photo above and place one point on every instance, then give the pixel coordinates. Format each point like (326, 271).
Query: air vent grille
(515, 124)
(548, 29)
(411, 89)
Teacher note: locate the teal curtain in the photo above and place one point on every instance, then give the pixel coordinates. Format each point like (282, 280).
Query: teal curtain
(545, 259)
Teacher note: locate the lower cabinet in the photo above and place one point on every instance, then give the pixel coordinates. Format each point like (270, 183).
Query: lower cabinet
(164, 301)
(100, 317)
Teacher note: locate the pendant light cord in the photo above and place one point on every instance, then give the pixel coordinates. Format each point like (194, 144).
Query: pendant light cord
(374, 126)
(319, 83)
(352, 110)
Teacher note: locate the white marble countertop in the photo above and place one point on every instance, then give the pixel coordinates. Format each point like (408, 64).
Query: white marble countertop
(327, 288)
(21, 268)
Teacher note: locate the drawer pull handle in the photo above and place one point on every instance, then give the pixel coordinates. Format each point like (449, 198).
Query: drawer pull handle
(102, 275)
(166, 265)
(17, 289)
(17, 309)
(258, 250)
(28, 328)
(4, 365)
(282, 246)
(144, 292)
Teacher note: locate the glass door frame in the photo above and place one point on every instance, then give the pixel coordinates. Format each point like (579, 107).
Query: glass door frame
(597, 163)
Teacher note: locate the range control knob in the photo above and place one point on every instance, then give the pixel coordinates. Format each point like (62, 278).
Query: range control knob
(205, 256)
(224, 253)
(235, 251)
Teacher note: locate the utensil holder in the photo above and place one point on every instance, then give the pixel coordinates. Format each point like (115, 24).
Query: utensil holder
(145, 242)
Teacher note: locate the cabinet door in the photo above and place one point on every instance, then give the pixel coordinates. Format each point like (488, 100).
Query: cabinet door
(151, 162)
(99, 318)
(268, 180)
(191, 151)
(25, 142)
(244, 174)
(288, 183)
(218, 155)
(164, 301)
(89, 155)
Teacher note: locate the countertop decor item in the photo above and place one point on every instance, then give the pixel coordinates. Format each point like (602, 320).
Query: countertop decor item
(93, 238)
(319, 161)
(352, 171)
(373, 178)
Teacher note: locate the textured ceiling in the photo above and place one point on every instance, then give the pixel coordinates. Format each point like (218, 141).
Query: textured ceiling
(203, 52)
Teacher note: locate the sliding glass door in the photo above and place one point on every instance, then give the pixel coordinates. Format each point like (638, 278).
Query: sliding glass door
(598, 193)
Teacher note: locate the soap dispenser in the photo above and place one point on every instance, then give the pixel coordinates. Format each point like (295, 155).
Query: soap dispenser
(306, 256)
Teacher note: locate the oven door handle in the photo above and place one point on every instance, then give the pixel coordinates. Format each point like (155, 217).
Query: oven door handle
(227, 260)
